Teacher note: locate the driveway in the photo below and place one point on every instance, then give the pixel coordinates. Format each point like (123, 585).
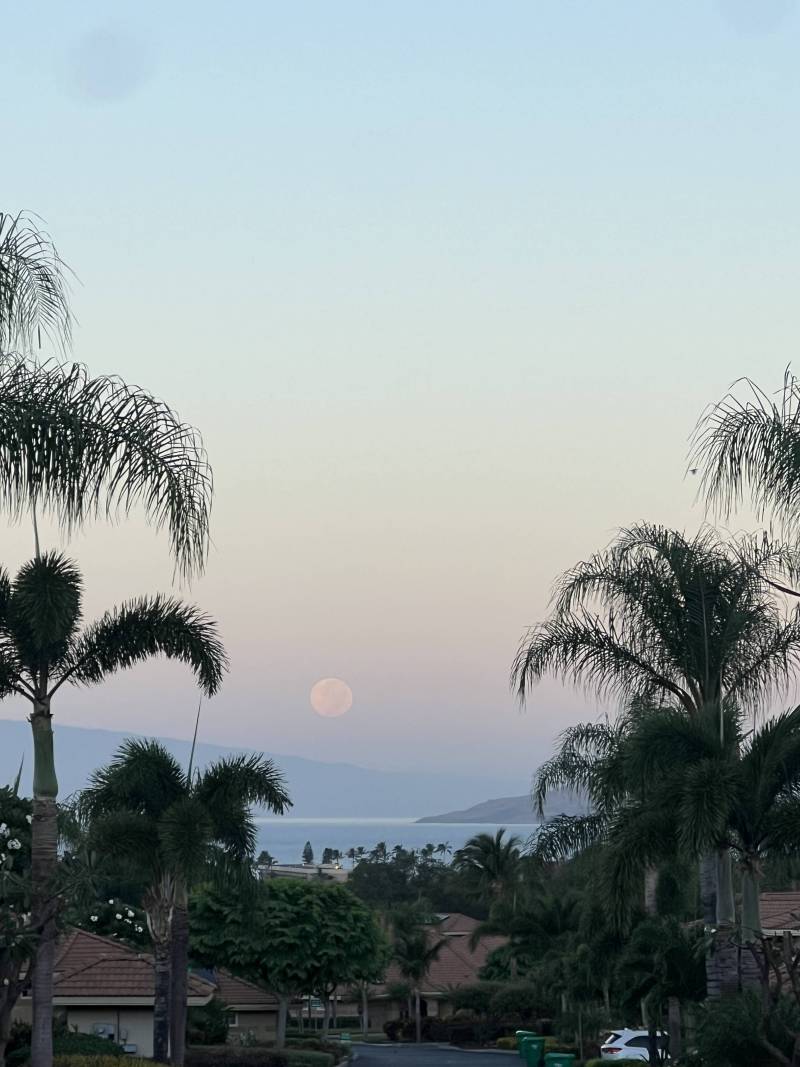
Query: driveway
(427, 1056)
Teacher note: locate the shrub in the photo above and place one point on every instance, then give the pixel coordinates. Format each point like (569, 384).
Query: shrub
(66, 1045)
(209, 1024)
(94, 1060)
(392, 1028)
(617, 1063)
(255, 1056)
(508, 1043)
(476, 999)
(520, 1000)
(730, 1033)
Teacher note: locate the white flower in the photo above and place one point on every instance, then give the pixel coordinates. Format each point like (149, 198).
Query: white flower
(130, 914)
(111, 901)
(29, 818)
(93, 918)
(118, 916)
(4, 830)
(14, 845)
(128, 922)
(5, 981)
(139, 929)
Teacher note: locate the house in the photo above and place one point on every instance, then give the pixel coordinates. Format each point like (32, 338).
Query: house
(104, 987)
(309, 872)
(458, 964)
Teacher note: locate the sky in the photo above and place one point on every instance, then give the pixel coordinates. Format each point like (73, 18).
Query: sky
(445, 286)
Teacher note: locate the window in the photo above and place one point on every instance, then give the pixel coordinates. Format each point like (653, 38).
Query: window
(233, 1020)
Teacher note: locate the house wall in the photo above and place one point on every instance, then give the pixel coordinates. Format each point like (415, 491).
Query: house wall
(138, 1022)
(261, 1023)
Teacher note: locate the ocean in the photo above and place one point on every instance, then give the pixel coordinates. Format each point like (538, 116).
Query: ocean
(284, 838)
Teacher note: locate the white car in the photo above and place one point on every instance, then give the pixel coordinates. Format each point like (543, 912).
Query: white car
(630, 1045)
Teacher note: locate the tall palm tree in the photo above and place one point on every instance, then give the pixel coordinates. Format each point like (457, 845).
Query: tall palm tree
(752, 439)
(180, 826)
(43, 648)
(33, 289)
(737, 792)
(660, 617)
(415, 948)
(493, 861)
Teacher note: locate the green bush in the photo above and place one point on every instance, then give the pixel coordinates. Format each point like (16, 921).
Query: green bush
(730, 1033)
(476, 998)
(617, 1063)
(209, 1024)
(94, 1060)
(66, 1045)
(255, 1056)
(519, 1000)
(508, 1043)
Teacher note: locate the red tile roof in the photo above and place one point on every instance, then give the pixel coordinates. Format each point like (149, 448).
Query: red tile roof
(780, 911)
(457, 963)
(89, 966)
(242, 995)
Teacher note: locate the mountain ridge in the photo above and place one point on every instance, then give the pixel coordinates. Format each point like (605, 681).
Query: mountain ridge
(335, 790)
(513, 811)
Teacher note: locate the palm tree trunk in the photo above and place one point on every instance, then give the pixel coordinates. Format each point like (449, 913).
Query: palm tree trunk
(751, 928)
(179, 984)
(418, 1015)
(44, 860)
(326, 1016)
(283, 1011)
(723, 965)
(674, 1027)
(708, 889)
(607, 1000)
(364, 1010)
(161, 1021)
(6, 1007)
(651, 891)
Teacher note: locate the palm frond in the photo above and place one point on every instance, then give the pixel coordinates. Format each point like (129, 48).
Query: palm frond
(33, 286)
(143, 778)
(567, 835)
(142, 629)
(44, 607)
(82, 447)
(752, 442)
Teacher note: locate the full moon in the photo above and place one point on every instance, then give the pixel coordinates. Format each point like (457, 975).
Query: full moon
(331, 697)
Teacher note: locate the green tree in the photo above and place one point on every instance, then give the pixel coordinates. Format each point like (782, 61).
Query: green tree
(17, 934)
(291, 936)
(308, 853)
(416, 946)
(178, 826)
(43, 648)
(493, 864)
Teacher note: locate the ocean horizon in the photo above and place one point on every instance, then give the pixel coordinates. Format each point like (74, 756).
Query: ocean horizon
(284, 837)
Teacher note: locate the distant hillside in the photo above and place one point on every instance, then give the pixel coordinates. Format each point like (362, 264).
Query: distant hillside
(329, 790)
(511, 810)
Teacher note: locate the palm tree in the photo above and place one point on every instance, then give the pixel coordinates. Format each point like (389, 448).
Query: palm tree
(33, 290)
(752, 441)
(415, 950)
(739, 793)
(493, 862)
(42, 648)
(179, 826)
(659, 617)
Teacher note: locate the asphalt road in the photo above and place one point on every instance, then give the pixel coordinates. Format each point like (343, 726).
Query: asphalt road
(428, 1056)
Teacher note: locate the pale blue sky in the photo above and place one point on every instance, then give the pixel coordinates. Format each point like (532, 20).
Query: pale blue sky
(444, 284)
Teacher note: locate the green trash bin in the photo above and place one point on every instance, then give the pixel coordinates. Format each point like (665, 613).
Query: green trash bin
(520, 1035)
(533, 1051)
(559, 1059)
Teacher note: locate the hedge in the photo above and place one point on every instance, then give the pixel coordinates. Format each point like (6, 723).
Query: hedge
(255, 1056)
(617, 1063)
(89, 1060)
